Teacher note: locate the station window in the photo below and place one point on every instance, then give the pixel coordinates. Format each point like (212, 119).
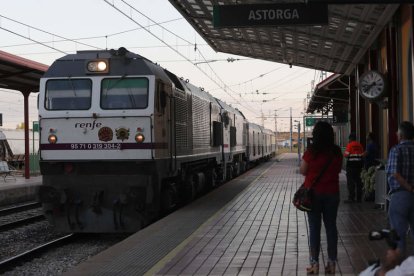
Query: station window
(124, 93)
(68, 94)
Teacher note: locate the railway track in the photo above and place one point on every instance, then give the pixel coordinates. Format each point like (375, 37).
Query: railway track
(36, 248)
(29, 255)
(22, 221)
(20, 208)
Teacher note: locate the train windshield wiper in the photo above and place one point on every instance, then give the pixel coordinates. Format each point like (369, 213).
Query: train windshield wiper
(72, 86)
(114, 84)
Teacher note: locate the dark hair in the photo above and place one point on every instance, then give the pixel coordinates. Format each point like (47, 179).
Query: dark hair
(352, 136)
(323, 138)
(407, 130)
(371, 136)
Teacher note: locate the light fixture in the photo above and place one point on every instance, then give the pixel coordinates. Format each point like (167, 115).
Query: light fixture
(52, 139)
(97, 66)
(139, 138)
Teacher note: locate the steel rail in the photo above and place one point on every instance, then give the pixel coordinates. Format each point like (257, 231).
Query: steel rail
(21, 222)
(29, 255)
(20, 208)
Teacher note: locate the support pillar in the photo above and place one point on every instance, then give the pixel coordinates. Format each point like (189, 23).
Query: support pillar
(26, 95)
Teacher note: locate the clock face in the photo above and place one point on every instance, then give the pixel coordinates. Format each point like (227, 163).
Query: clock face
(372, 85)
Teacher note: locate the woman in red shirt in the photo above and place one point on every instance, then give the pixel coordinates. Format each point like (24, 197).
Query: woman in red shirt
(323, 152)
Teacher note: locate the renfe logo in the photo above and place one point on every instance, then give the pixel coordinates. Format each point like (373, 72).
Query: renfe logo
(88, 125)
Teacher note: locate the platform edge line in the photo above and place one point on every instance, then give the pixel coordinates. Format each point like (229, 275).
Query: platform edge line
(161, 263)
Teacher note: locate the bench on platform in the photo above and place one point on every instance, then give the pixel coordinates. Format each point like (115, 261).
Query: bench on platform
(6, 170)
(17, 161)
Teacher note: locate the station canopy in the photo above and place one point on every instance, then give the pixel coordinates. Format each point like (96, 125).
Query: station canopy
(17, 73)
(333, 47)
(329, 93)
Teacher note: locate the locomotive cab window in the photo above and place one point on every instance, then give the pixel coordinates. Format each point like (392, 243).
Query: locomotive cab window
(124, 93)
(68, 94)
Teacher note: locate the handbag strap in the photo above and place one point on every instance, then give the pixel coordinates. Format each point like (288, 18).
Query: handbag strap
(325, 167)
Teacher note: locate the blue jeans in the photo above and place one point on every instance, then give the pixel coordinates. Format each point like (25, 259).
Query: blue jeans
(324, 207)
(401, 215)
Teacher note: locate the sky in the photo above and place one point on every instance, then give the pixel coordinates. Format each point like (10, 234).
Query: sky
(45, 30)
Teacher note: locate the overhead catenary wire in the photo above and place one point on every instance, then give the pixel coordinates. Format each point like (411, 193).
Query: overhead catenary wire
(176, 51)
(195, 47)
(49, 33)
(86, 38)
(31, 39)
(253, 79)
(227, 88)
(134, 29)
(201, 54)
(67, 39)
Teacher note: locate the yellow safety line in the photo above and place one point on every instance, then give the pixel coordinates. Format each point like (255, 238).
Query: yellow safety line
(161, 263)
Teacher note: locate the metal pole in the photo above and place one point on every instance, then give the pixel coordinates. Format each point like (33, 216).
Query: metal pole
(304, 134)
(276, 132)
(33, 140)
(291, 130)
(299, 143)
(26, 135)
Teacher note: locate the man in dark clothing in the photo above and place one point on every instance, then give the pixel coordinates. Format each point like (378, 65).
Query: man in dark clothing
(354, 153)
(371, 153)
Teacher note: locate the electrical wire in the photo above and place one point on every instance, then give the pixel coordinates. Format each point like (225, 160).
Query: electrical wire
(84, 38)
(28, 38)
(49, 33)
(190, 43)
(161, 40)
(224, 88)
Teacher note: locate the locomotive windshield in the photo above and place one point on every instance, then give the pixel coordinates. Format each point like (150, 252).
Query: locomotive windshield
(124, 93)
(68, 94)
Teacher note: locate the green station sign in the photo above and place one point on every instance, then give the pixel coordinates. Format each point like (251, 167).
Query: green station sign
(311, 121)
(35, 126)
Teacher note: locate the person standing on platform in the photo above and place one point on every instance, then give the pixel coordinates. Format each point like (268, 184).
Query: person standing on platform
(400, 175)
(323, 153)
(371, 153)
(354, 152)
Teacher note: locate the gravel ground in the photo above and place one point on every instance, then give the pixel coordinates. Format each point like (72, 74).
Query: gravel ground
(23, 238)
(56, 261)
(20, 215)
(63, 258)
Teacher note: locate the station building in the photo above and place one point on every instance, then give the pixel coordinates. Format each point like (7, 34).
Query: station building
(367, 45)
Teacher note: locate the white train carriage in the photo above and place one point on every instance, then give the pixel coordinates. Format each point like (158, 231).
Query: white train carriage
(273, 144)
(255, 143)
(120, 140)
(267, 143)
(234, 140)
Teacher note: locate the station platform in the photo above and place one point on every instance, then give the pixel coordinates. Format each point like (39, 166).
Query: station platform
(16, 189)
(247, 226)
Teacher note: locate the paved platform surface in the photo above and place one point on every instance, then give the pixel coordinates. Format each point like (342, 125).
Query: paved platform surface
(248, 226)
(17, 189)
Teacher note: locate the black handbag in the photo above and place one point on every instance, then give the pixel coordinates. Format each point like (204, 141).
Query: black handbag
(303, 198)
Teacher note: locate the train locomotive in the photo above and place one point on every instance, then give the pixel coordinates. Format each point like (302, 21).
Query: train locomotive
(123, 140)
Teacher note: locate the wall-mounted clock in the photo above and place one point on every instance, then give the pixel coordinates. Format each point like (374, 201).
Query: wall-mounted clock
(372, 85)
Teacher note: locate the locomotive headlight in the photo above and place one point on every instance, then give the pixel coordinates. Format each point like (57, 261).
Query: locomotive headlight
(97, 66)
(139, 138)
(52, 139)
